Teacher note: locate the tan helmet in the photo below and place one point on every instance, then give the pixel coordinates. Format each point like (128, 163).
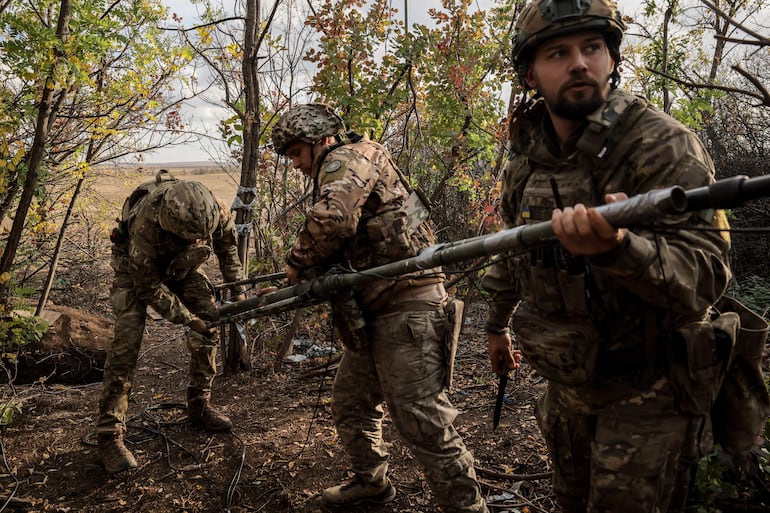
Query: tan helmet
(189, 210)
(543, 19)
(308, 123)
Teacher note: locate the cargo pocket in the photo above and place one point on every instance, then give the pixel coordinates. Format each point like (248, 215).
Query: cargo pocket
(562, 352)
(633, 469)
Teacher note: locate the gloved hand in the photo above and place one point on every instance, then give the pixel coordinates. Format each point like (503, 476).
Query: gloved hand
(200, 326)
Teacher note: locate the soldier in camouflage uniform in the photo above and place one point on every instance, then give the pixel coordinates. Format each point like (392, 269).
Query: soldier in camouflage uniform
(395, 331)
(605, 313)
(168, 231)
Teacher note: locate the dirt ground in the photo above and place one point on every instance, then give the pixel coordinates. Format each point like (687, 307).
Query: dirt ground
(282, 452)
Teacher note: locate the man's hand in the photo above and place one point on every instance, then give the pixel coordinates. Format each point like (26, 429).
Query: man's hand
(292, 274)
(266, 290)
(200, 326)
(501, 353)
(583, 231)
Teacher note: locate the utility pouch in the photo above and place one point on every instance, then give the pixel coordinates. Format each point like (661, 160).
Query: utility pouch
(573, 293)
(697, 360)
(453, 311)
(416, 210)
(350, 323)
(187, 261)
(742, 405)
(389, 236)
(562, 352)
(545, 289)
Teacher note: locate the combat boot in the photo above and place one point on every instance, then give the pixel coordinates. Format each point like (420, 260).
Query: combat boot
(202, 413)
(114, 454)
(357, 491)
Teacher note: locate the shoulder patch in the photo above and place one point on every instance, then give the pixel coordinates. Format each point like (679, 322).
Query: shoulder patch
(333, 166)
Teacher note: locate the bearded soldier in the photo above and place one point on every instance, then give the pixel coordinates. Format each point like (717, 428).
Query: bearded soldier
(397, 331)
(607, 312)
(168, 230)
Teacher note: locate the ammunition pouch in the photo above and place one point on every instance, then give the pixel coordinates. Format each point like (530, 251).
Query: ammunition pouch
(349, 322)
(388, 234)
(697, 361)
(561, 352)
(453, 311)
(555, 290)
(187, 261)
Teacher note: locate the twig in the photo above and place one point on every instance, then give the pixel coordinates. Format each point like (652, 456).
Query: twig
(513, 477)
(517, 494)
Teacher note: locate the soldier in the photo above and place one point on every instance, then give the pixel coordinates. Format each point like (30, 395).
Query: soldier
(395, 331)
(168, 230)
(606, 313)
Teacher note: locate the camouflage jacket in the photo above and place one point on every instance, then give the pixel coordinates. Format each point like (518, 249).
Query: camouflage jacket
(152, 257)
(357, 189)
(627, 146)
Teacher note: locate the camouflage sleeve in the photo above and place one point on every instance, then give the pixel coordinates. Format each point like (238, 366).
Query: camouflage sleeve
(147, 274)
(345, 181)
(682, 270)
(225, 245)
(498, 280)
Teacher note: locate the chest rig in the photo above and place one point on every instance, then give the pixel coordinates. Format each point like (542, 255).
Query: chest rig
(555, 281)
(563, 318)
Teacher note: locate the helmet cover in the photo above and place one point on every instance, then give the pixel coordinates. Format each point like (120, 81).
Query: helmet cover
(308, 123)
(544, 19)
(189, 210)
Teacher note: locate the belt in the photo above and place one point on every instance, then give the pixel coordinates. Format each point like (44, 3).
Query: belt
(412, 306)
(426, 298)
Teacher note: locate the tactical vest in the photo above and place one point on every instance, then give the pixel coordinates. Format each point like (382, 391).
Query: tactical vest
(561, 326)
(554, 280)
(399, 233)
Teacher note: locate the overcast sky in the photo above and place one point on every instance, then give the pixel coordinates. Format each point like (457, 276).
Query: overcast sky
(208, 116)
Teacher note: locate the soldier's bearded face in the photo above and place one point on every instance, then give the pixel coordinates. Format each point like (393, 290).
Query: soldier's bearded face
(572, 74)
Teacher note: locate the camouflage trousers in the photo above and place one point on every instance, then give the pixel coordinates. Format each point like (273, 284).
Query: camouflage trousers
(130, 317)
(404, 367)
(634, 454)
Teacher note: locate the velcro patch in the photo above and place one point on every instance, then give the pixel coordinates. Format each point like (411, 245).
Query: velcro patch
(335, 170)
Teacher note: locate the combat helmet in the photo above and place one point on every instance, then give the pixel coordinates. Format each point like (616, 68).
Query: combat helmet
(308, 123)
(544, 19)
(188, 210)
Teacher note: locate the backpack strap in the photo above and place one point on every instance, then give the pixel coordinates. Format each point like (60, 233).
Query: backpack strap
(607, 128)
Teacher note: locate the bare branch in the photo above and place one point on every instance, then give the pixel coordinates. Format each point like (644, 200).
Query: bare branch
(204, 25)
(762, 39)
(756, 83)
(763, 98)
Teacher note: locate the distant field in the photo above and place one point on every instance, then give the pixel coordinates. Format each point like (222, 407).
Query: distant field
(114, 185)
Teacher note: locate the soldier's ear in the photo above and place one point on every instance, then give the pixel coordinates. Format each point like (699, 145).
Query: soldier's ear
(530, 78)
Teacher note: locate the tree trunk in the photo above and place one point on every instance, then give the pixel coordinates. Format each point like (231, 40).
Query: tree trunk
(34, 158)
(236, 358)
